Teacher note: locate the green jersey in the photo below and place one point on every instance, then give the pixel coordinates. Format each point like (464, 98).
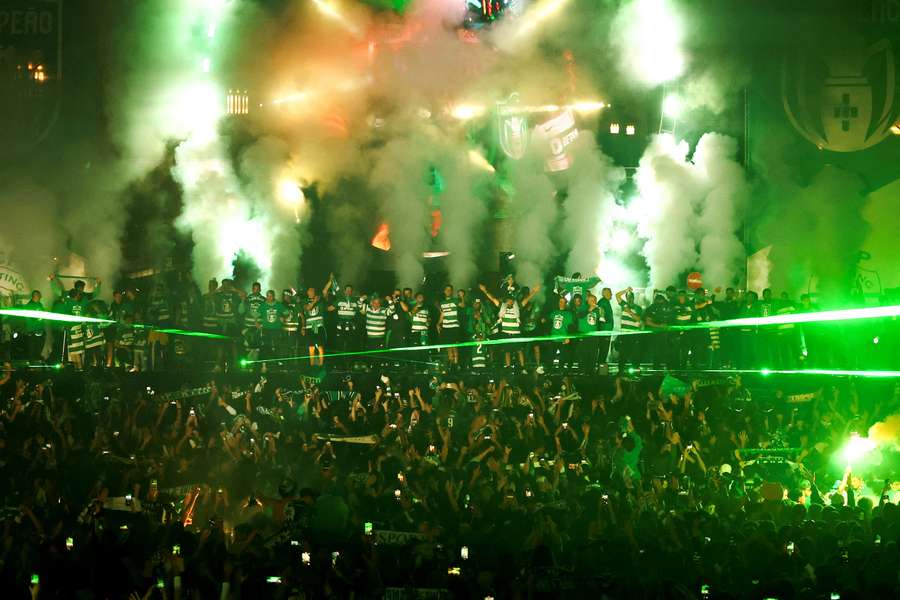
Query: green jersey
(450, 312)
(227, 304)
(589, 320)
(632, 316)
(253, 309)
(510, 319)
(34, 325)
(560, 322)
(420, 318)
(376, 322)
(347, 308)
(270, 315)
(315, 320)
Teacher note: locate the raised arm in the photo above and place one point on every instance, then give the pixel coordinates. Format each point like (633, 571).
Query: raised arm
(56, 286)
(531, 294)
(328, 285)
(488, 295)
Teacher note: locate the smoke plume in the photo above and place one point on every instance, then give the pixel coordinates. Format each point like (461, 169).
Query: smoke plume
(887, 432)
(721, 251)
(665, 209)
(689, 210)
(589, 206)
(817, 234)
(399, 176)
(463, 210)
(534, 214)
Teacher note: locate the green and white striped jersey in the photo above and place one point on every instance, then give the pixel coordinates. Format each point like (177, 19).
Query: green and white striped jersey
(291, 323)
(450, 310)
(420, 319)
(347, 308)
(510, 319)
(376, 321)
(631, 316)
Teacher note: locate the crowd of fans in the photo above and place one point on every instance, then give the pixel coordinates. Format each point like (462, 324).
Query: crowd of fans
(513, 470)
(570, 326)
(469, 486)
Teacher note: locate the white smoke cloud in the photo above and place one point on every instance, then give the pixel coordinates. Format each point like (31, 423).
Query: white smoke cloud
(463, 212)
(589, 206)
(399, 175)
(721, 251)
(665, 209)
(534, 214)
(275, 193)
(688, 211)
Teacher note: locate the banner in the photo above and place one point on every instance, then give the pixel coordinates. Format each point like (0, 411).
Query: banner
(348, 439)
(11, 281)
(560, 131)
(396, 538)
(798, 398)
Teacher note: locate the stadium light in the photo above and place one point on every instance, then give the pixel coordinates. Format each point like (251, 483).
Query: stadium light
(614, 128)
(464, 112)
(629, 130)
(672, 106)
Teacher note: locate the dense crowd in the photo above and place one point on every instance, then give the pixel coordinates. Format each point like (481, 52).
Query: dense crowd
(470, 468)
(118, 485)
(571, 325)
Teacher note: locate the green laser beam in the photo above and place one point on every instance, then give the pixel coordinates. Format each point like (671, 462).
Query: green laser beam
(49, 316)
(850, 314)
(497, 342)
(870, 374)
(63, 318)
(189, 333)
